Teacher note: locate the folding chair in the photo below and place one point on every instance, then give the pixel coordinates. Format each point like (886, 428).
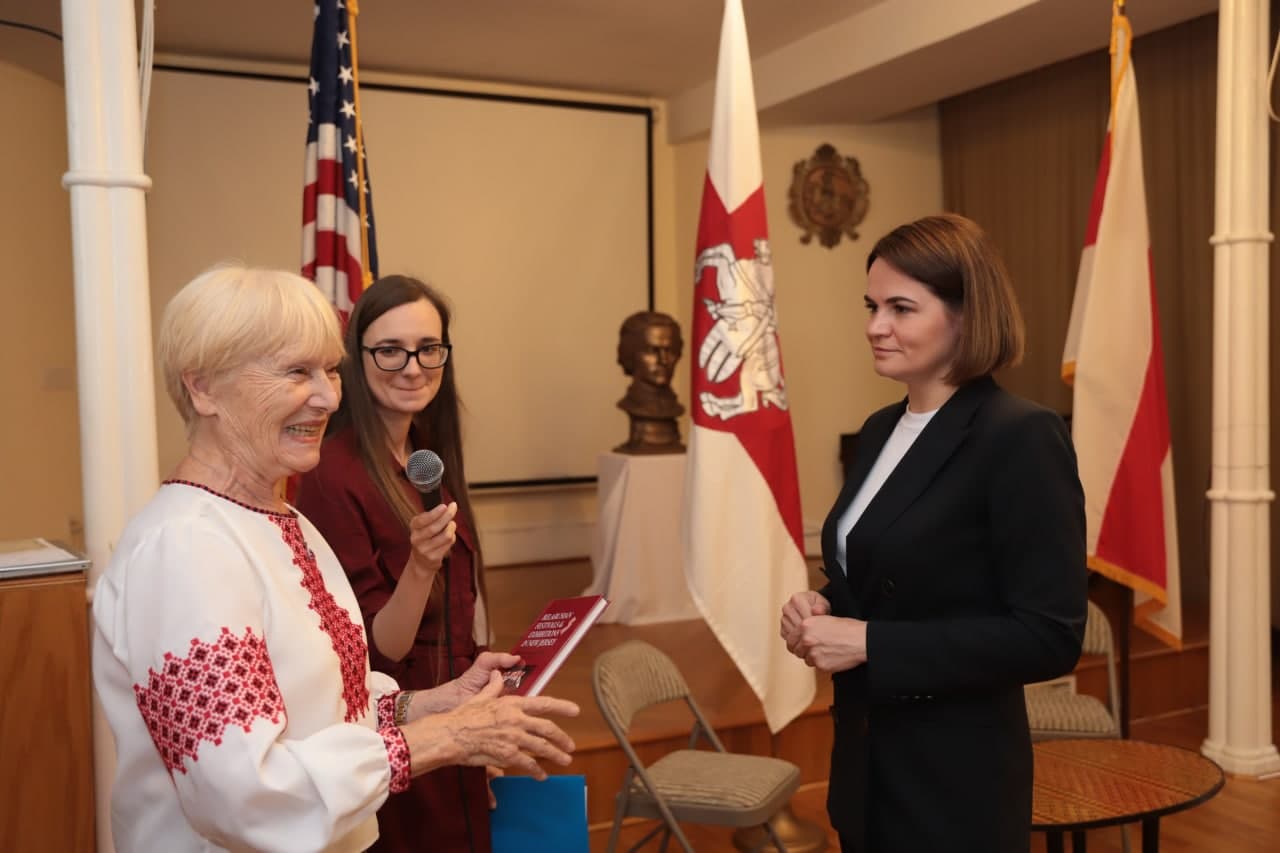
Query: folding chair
(693, 785)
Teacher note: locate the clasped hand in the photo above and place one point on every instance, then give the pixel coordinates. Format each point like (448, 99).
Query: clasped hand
(825, 642)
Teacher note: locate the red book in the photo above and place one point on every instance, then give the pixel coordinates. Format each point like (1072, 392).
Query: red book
(547, 643)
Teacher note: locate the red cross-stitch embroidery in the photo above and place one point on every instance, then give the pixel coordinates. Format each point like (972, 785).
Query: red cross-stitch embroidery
(346, 636)
(387, 709)
(228, 682)
(397, 757)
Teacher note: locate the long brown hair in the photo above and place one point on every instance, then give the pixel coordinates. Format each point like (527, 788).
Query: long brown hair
(437, 427)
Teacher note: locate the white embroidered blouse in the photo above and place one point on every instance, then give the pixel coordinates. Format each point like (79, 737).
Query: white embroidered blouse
(233, 669)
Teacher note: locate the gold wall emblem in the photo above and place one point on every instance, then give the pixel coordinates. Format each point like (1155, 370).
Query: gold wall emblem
(829, 196)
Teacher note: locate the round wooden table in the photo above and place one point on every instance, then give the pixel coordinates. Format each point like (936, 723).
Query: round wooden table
(1087, 784)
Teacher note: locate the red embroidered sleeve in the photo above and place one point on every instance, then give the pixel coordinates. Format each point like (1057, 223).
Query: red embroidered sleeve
(387, 709)
(229, 682)
(397, 757)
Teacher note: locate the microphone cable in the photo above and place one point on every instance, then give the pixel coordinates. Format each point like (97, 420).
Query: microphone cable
(448, 651)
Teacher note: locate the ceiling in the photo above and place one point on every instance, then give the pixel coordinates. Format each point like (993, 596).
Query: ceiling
(813, 60)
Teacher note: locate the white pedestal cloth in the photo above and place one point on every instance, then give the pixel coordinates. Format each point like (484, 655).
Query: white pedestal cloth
(636, 554)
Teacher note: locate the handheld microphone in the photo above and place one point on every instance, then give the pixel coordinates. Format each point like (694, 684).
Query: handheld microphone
(425, 471)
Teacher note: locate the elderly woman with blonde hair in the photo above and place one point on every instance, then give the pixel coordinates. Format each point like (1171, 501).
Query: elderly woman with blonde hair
(229, 653)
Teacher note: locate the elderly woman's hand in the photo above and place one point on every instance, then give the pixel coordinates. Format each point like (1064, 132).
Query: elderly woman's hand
(431, 536)
(476, 678)
(445, 697)
(493, 730)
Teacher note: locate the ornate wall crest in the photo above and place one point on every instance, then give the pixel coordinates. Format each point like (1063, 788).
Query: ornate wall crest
(829, 196)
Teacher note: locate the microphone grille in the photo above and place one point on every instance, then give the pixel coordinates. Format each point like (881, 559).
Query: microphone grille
(424, 469)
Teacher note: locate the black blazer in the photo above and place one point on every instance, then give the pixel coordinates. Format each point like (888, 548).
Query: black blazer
(969, 567)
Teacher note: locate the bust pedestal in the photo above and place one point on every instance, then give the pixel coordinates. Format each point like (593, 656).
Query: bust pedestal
(636, 555)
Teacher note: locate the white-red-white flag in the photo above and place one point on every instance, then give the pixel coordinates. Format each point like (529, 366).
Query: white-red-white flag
(743, 539)
(1113, 359)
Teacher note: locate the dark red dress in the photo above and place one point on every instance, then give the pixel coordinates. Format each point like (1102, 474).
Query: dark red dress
(448, 809)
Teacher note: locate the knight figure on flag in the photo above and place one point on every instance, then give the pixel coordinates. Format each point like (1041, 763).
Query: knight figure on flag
(743, 538)
(745, 334)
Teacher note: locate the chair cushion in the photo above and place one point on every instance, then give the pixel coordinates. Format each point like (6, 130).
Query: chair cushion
(1054, 711)
(708, 782)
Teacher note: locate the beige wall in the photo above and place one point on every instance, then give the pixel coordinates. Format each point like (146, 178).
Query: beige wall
(547, 524)
(831, 385)
(515, 526)
(39, 432)
(819, 302)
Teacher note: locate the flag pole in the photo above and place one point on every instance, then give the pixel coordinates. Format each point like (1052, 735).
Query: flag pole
(353, 12)
(1119, 26)
(742, 493)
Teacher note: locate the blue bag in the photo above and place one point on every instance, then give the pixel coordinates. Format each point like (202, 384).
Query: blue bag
(539, 817)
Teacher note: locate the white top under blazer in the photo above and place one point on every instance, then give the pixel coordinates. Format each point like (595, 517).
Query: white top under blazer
(908, 429)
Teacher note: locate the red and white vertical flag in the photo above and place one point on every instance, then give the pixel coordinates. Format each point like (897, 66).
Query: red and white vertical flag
(743, 541)
(1113, 359)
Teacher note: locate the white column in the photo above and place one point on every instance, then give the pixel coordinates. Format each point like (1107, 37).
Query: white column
(1240, 494)
(113, 311)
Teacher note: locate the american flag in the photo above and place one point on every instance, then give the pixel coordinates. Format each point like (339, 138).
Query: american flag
(332, 253)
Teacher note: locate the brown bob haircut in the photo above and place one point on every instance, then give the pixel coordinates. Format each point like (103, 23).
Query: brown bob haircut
(955, 259)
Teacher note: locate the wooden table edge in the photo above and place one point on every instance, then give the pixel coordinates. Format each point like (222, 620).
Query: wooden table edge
(1155, 814)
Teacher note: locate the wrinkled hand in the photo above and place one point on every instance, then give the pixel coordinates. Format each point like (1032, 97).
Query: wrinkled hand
(509, 731)
(431, 537)
(476, 678)
(491, 773)
(799, 607)
(831, 643)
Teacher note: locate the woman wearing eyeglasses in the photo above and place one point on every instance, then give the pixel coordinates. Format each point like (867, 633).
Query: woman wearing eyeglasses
(416, 574)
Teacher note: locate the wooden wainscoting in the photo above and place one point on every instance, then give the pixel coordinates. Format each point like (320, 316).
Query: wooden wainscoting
(1164, 682)
(517, 595)
(46, 749)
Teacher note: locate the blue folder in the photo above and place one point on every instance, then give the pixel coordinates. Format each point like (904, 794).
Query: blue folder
(539, 817)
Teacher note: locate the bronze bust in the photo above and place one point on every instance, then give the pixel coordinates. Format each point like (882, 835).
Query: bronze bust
(649, 345)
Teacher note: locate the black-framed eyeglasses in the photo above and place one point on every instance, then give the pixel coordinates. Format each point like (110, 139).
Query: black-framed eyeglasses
(392, 358)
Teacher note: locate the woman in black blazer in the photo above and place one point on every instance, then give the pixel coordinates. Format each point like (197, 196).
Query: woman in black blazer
(955, 556)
